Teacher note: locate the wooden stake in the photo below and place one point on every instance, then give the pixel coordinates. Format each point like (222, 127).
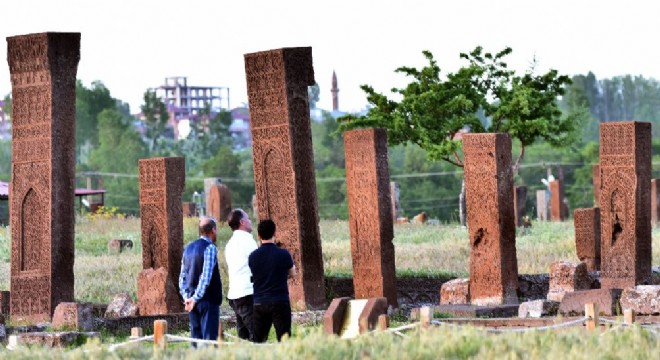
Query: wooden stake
(629, 316)
(136, 332)
(591, 311)
(383, 322)
(221, 334)
(425, 315)
(160, 332)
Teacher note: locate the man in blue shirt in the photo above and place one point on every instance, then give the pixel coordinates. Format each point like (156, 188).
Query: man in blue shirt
(200, 283)
(271, 267)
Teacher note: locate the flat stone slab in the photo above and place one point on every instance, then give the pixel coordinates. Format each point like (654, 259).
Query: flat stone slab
(607, 300)
(643, 299)
(50, 339)
(474, 311)
(538, 308)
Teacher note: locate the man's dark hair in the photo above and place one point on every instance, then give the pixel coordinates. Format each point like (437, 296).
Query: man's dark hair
(266, 229)
(208, 227)
(234, 219)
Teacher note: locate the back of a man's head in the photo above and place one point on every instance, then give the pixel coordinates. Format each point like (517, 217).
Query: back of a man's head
(206, 225)
(266, 229)
(234, 219)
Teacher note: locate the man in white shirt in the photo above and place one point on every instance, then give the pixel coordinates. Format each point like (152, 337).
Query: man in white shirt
(238, 249)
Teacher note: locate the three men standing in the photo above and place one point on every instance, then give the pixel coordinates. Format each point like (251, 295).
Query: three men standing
(238, 248)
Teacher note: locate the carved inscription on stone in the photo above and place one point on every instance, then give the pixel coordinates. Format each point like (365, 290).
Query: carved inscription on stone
(43, 73)
(587, 236)
(161, 185)
(370, 209)
(489, 187)
(625, 168)
(277, 82)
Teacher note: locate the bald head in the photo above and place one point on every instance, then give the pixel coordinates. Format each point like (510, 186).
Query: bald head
(207, 225)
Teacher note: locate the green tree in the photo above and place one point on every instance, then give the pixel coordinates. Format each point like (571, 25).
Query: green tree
(155, 119)
(313, 93)
(433, 110)
(7, 107)
(120, 148)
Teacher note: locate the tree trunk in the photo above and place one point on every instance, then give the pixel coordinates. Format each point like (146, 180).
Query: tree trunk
(462, 205)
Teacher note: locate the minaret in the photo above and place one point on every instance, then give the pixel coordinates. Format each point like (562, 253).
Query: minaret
(335, 91)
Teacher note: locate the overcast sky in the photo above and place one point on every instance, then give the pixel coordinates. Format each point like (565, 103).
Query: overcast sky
(132, 45)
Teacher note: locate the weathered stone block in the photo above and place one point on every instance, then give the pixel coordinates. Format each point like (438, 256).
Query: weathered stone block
(595, 169)
(587, 236)
(625, 214)
(51, 339)
(4, 302)
(73, 316)
(471, 311)
(519, 201)
(491, 226)
(455, 291)
(542, 205)
(333, 319)
(368, 190)
(556, 200)
(368, 319)
(567, 277)
(538, 308)
(643, 299)
(121, 306)
(41, 198)
(607, 299)
(285, 184)
(157, 294)
(189, 209)
(218, 202)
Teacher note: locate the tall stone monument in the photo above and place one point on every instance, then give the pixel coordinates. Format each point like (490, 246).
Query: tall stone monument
(556, 200)
(655, 202)
(625, 204)
(161, 184)
(587, 236)
(542, 208)
(519, 201)
(218, 202)
(43, 77)
(369, 211)
(277, 82)
(489, 187)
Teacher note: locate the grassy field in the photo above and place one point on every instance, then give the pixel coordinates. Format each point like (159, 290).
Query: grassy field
(420, 250)
(435, 343)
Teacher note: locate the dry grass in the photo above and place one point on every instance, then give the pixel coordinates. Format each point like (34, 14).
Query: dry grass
(420, 250)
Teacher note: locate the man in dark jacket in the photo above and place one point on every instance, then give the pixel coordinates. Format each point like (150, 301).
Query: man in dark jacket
(200, 283)
(271, 267)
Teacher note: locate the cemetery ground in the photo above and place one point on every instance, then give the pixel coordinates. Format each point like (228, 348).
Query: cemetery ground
(421, 250)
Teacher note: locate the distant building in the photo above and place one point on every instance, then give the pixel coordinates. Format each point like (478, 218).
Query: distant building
(185, 102)
(240, 127)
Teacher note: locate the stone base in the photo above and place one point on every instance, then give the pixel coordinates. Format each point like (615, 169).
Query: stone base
(333, 319)
(455, 291)
(50, 339)
(121, 306)
(643, 299)
(157, 294)
(73, 316)
(473, 311)
(538, 308)
(607, 300)
(567, 277)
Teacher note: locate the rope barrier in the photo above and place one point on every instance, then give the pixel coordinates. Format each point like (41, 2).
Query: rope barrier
(132, 341)
(539, 328)
(175, 338)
